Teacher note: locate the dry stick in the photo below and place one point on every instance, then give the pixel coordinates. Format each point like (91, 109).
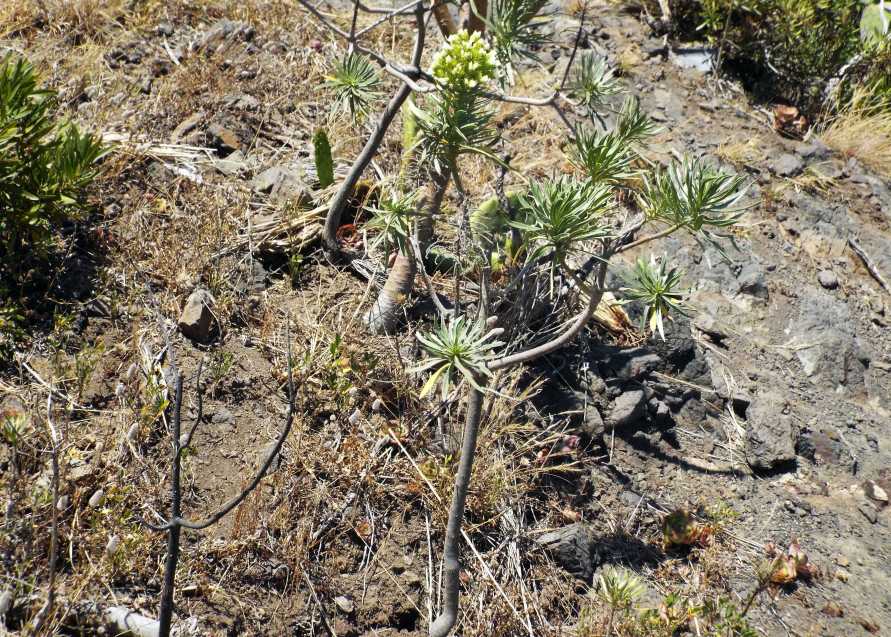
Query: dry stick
(312, 591)
(165, 615)
(870, 266)
(339, 202)
(419, 264)
(47, 608)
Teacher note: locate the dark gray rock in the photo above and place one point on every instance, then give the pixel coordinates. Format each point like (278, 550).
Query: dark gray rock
(827, 279)
(752, 281)
(815, 149)
(770, 443)
(786, 165)
(573, 548)
(628, 410)
(625, 364)
(822, 447)
(196, 319)
(825, 341)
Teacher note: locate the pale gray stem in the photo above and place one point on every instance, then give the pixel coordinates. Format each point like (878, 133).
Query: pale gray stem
(451, 564)
(384, 314)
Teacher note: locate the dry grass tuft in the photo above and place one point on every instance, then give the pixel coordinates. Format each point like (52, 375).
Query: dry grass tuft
(741, 152)
(863, 130)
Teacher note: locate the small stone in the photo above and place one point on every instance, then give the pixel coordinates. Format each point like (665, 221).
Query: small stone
(62, 503)
(411, 578)
(97, 499)
(770, 441)
(196, 319)
(875, 492)
(708, 324)
(344, 603)
(376, 405)
(283, 184)
(355, 416)
(243, 102)
(833, 610)
(869, 512)
(80, 472)
(827, 279)
(402, 563)
(234, 164)
(752, 281)
(573, 548)
(187, 126)
(223, 138)
(222, 416)
(786, 165)
(164, 29)
(114, 542)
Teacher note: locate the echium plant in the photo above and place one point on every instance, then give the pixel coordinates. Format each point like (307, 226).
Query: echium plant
(567, 228)
(561, 221)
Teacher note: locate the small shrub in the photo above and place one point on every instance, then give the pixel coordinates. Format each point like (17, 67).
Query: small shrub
(44, 164)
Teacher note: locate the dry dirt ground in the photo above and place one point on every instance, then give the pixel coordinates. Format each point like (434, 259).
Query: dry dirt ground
(767, 414)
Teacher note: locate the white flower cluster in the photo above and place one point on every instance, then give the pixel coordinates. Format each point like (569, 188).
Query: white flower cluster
(465, 63)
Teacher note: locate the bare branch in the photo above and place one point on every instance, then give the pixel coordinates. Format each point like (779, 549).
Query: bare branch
(261, 472)
(575, 47)
(648, 238)
(389, 16)
(419, 264)
(165, 614)
(339, 202)
(451, 565)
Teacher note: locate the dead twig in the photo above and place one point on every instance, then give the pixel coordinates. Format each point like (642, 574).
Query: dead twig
(869, 263)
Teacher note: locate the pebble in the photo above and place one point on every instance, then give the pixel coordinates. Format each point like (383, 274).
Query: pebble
(345, 604)
(827, 279)
(97, 499)
(114, 542)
